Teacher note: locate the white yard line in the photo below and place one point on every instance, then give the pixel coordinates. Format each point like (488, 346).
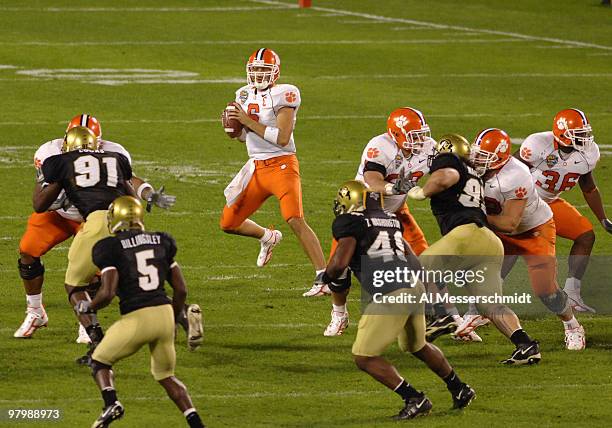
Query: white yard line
(461, 75)
(148, 9)
(446, 26)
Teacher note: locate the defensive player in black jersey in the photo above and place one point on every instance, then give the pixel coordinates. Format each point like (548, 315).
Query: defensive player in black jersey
(457, 202)
(92, 179)
(134, 265)
(366, 233)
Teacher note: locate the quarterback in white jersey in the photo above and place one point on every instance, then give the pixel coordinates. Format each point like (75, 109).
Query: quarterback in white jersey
(525, 225)
(46, 230)
(558, 160)
(268, 111)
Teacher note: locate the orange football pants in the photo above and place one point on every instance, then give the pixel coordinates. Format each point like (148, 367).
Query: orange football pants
(44, 231)
(412, 233)
(279, 176)
(570, 223)
(537, 247)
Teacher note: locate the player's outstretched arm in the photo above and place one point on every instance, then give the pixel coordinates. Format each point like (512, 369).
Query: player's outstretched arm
(510, 217)
(439, 181)
(147, 193)
(593, 199)
(177, 282)
(44, 196)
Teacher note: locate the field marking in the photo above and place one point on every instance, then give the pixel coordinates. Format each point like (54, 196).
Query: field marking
(446, 26)
(261, 42)
(463, 75)
(148, 9)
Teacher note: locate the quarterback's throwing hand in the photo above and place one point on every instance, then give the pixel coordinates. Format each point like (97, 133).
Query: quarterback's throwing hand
(160, 199)
(238, 113)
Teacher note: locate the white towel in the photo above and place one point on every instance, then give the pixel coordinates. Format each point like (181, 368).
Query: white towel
(239, 183)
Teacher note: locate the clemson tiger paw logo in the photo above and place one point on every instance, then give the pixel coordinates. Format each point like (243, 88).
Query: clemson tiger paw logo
(520, 192)
(525, 153)
(290, 97)
(373, 152)
(401, 121)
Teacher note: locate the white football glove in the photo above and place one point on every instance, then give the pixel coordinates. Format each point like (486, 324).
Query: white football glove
(160, 199)
(82, 307)
(416, 193)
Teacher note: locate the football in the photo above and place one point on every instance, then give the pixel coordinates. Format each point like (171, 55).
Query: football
(232, 127)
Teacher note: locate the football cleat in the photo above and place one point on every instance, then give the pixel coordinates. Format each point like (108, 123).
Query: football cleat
(525, 354)
(416, 406)
(577, 303)
(319, 288)
(339, 322)
(195, 334)
(83, 336)
(265, 253)
(469, 324)
(33, 321)
(440, 326)
(111, 413)
(575, 339)
(472, 336)
(463, 397)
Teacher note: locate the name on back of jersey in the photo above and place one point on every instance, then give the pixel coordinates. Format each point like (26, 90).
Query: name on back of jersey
(138, 240)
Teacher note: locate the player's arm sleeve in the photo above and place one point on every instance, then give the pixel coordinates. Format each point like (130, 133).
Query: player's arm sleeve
(53, 169)
(103, 253)
(124, 152)
(171, 248)
(288, 97)
(518, 189)
(348, 225)
(529, 152)
(126, 167)
(445, 160)
(377, 158)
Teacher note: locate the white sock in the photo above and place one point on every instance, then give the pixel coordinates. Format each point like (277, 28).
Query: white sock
(266, 236)
(572, 285)
(573, 323)
(339, 308)
(34, 301)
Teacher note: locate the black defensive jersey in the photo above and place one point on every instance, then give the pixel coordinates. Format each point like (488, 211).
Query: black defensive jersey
(462, 203)
(143, 261)
(92, 179)
(377, 232)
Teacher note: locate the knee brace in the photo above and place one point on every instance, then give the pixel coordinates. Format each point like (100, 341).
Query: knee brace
(557, 302)
(96, 366)
(31, 271)
(338, 285)
(95, 333)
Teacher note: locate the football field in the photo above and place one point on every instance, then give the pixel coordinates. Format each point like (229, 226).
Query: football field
(157, 74)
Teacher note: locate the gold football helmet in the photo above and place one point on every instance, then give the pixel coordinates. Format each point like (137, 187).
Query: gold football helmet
(452, 143)
(351, 197)
(125, 213)
(79, 137)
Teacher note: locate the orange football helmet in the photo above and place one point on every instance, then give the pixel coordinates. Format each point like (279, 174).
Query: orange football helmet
(408, 128)
(490, 150)
(572, 129)
(263, 68)
(87, 121)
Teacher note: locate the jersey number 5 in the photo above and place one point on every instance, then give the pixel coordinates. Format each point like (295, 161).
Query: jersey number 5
(149, 276)
(88, 167)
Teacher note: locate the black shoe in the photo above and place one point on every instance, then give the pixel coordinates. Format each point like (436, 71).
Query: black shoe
(439, 327)
(463, 397)
(85, 360)
(528, 353)
(111, 413)
(416, 406)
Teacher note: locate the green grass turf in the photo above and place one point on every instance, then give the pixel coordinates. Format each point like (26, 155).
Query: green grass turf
(265, 361)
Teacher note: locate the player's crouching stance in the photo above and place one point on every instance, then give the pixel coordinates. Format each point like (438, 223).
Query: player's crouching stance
(135, 265)
(362, 228)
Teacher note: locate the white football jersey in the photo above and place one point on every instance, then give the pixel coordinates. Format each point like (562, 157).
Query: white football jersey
(263, 106)
(54, 147)
(514, 181)
(554, 171)
(383, 151)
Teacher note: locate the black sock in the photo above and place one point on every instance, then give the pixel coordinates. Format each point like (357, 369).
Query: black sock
(440, 310)
(453, 383)
(109, 396)
(520, 337)
(194, 421)
(406, 391)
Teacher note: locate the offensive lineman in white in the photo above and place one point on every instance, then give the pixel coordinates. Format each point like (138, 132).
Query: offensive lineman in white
(524, 223)
(268, 112)
(46, 230)
(559, 159)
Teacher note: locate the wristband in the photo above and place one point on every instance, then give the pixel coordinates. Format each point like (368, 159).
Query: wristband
(142, 188)
(271, 134)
